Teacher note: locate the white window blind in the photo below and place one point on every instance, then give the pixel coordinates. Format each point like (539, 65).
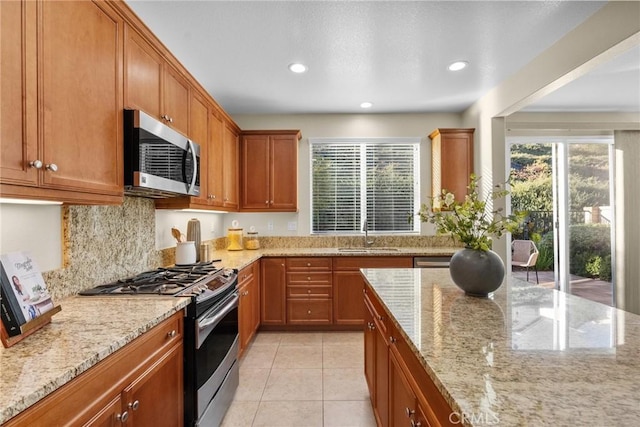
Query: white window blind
(354, 179)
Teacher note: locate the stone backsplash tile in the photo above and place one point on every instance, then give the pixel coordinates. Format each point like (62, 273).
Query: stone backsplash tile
(105, 243)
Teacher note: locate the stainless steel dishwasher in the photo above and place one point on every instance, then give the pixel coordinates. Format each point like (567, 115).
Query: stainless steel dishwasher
(431, 261)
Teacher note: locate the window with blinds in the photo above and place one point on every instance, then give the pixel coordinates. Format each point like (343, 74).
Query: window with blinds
(353, 179)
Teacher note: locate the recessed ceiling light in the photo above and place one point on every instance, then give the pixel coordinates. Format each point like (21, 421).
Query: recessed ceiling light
(458, 65)
(366, 105)
(296, 67)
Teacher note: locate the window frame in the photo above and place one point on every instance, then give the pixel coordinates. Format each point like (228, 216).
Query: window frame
(415, 141)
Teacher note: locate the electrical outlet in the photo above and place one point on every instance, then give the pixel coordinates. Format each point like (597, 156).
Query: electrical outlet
(292, 226)
(270, 226)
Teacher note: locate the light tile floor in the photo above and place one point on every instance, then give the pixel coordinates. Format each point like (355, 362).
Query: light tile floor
(302, 379)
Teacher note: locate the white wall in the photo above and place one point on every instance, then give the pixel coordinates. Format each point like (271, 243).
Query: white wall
(335, 126)
(33, 228)
(211, 225)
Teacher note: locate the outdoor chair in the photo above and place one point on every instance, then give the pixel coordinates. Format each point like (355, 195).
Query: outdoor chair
(524, 254)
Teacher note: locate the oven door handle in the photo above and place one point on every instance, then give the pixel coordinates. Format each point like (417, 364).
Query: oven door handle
(211, 320)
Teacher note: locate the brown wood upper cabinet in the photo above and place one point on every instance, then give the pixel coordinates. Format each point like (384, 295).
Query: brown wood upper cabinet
(153, 85)
(61, 114)
(269, 170)
(452, 161)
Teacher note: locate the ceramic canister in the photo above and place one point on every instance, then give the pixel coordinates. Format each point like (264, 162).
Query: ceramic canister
(193, 234)
(185, 253)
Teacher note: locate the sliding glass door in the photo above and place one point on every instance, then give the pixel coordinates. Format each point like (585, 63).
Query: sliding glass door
(565, 185)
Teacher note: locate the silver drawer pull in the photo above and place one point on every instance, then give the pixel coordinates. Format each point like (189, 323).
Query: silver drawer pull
(171, 334)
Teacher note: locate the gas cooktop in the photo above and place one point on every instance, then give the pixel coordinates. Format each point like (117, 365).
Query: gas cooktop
(179, 280)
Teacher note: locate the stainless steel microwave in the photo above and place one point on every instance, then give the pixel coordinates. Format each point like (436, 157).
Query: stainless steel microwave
(158, 161)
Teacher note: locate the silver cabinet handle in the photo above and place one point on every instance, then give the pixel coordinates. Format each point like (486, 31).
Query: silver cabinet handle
(392, 340)
(36, 164)
(123, 417)
(266, 202)
(171, 334)
(309, 312)
(170, 119)
(415, 424)
(135, 405)
(409, 412)
(52, 167)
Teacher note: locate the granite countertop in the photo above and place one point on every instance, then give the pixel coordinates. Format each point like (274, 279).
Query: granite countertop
(527, 356)
(240, 259)
(86, 331)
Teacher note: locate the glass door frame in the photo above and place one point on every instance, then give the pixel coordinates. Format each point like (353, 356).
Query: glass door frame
(560, 183)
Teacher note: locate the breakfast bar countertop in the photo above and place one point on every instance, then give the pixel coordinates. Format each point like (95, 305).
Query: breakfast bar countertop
(526, 356)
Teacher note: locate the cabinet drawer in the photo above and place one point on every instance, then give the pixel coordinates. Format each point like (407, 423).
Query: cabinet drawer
(164, 335)
(309, 278)
(309, 291)
(245, 275)
(309, 263)
(309, 311)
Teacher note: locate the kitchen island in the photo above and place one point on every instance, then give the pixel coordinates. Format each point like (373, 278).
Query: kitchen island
(526, 356)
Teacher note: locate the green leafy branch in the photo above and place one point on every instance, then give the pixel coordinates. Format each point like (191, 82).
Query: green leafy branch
(470, 221)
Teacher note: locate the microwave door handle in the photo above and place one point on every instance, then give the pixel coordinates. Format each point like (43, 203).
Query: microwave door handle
(195, 166)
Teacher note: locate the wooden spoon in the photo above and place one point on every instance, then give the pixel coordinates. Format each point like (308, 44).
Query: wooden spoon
(176, 234)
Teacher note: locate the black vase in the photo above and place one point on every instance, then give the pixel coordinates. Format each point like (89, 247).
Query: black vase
(476, 272)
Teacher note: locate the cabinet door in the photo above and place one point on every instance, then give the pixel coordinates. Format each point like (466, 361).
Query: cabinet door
(283, 177)
(381, 394)
(255, 296)
(143, 75)
(273, 291)
(215, 173)
(452, 161)
(230, 167)
(348, 304)
(156, 397)
(81, 96)
(369, 351)
(110, 416)
(18, 113)
(175, 97)
(402, 400)
(199, 133)
(255, 172)
(245, 312)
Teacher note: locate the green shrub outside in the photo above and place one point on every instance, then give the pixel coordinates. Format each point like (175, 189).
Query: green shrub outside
(590, 251)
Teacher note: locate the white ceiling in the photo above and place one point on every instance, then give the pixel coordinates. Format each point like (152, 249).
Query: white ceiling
(392, 53)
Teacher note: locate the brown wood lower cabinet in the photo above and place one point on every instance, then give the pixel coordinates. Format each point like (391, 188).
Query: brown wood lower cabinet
(321, 291)
(140, 384)
(248, 304)
(272, 290)
(309, 291)
(402, 393)
(348, 308)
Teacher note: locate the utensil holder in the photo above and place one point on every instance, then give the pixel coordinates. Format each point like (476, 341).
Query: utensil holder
(185, 253)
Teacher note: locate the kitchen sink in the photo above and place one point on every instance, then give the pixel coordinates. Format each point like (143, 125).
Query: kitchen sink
(367, 250)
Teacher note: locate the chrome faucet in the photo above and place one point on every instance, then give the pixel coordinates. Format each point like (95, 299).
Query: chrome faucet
(365, 228)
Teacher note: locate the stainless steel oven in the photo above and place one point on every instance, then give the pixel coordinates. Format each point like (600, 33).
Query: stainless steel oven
(210, 334)
(211, 367)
